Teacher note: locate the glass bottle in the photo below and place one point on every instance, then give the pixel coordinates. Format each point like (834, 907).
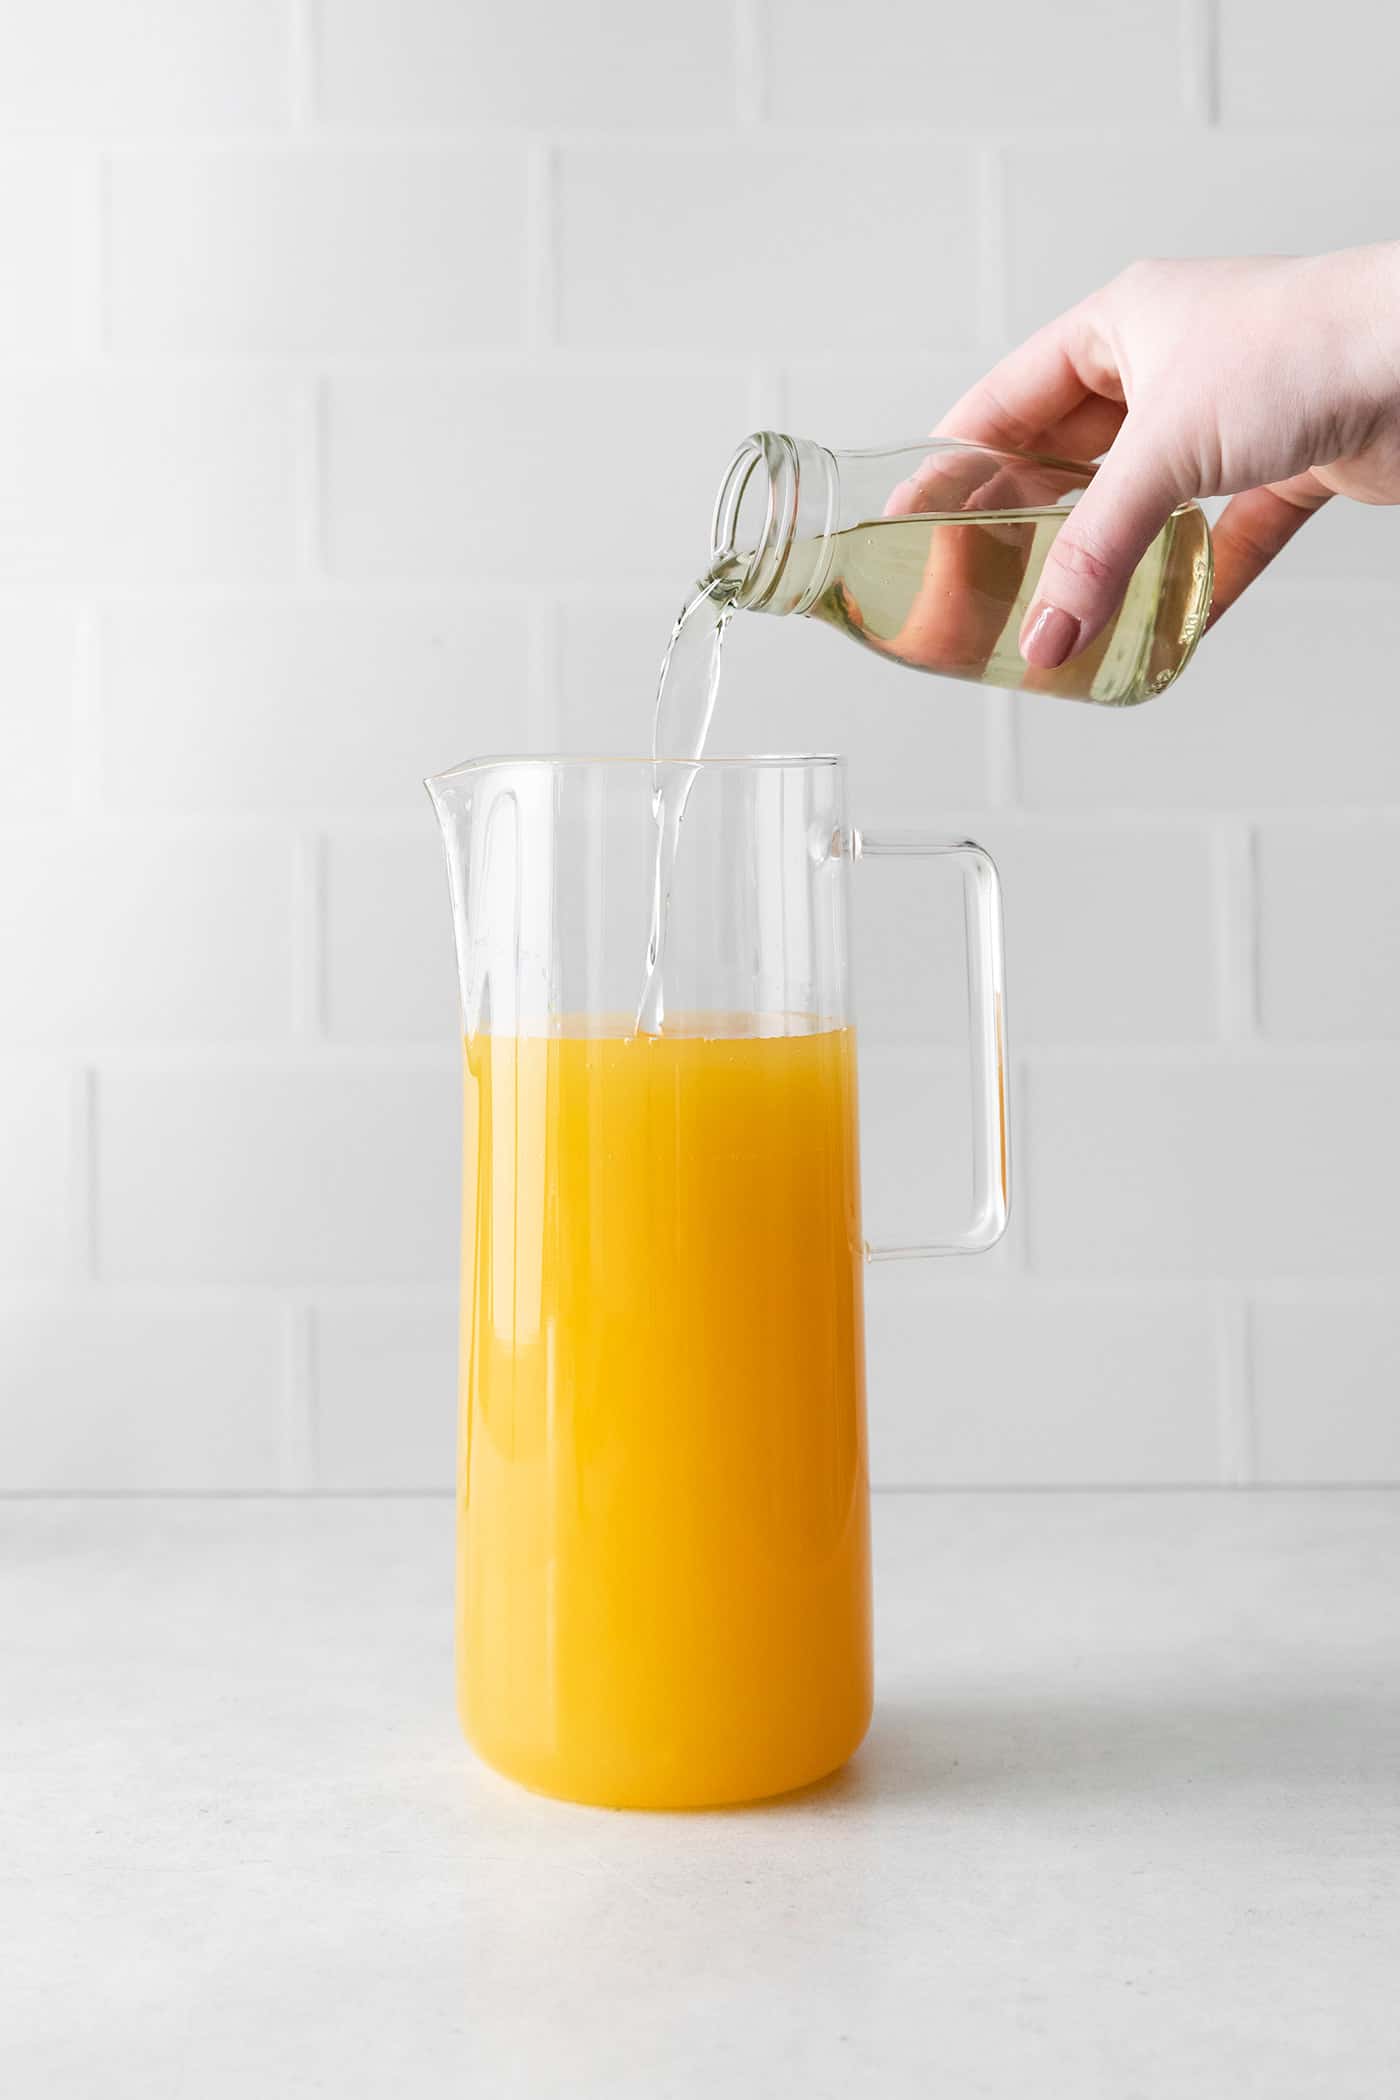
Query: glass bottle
(930, 553)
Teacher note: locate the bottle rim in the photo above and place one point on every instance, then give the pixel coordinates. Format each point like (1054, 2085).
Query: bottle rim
(801, 498)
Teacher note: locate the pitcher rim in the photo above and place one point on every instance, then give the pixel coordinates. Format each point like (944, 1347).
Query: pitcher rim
(553, 762)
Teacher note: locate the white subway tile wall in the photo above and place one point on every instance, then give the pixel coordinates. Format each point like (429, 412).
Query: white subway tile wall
(113, 939)
(43, 1142)
(1327, 1388)
(48, 227)
(85, 69)
(314, 1171)
(115, 478)
(539, 65)
(366, 368)
(547, 478)
(1329, 950)
(1027, 66)
(357, 263)
(648, 259)
(148, 1392)
(1131, 1396)
(388, 940)
(266, 706)
(1075, 212)
(1274, 74)
(39, 651)
(386, 1379)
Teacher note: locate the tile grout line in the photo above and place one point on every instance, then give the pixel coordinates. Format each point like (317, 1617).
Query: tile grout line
(85, 715)
(1249, 894)
(1200, 60)
(308, 942)
(544, 696)
(1235, 913)
(299, 1454)
(1327, 1293)
(83, 1172)
(264, 1051)
(1002, 754)
(309, 505)
(303, 62)
(750, 63)
(1360, 146)
(1235, 1422)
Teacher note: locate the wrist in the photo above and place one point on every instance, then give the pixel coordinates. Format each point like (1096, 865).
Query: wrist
(1366, 292)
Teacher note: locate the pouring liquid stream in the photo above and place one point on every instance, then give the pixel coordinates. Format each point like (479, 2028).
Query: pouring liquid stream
(685, 704)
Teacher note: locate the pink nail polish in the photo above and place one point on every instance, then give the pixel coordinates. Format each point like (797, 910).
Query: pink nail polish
(1048, 636)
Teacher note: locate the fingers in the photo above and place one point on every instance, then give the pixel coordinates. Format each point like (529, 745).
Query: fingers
(1095, 552)
(951, 478)
(1035, 387)
(1086, 431)
(973, 571)
(945, 480)
(1253, 528)
(1060, 391)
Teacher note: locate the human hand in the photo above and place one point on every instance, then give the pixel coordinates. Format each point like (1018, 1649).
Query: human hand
(1274, 380)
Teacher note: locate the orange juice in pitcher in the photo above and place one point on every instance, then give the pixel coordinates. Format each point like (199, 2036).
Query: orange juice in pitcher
(664, 1580)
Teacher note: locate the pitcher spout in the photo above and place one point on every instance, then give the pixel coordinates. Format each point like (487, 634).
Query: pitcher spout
(496, 817)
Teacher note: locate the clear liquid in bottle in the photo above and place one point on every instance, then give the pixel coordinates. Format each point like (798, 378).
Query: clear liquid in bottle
(931, 554)
(948, 594)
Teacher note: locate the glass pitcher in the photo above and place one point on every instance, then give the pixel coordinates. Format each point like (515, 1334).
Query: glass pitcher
(663, 1549)
(930, 554)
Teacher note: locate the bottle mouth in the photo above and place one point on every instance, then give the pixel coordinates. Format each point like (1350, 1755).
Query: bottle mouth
(776, 491)
(745, 525)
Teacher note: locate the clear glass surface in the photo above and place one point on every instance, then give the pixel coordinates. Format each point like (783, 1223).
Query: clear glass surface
(663, 1560)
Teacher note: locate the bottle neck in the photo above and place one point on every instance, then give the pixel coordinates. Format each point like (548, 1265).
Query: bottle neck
(778, 493)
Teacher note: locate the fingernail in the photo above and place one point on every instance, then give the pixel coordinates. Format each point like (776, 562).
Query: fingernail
(1048, 636)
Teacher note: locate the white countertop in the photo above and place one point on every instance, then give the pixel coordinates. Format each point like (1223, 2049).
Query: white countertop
(1127, 1824)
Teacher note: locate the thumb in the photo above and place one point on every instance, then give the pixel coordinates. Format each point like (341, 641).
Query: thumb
(1096, 550)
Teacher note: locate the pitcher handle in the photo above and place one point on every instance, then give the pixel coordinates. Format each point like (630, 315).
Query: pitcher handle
(986, 974)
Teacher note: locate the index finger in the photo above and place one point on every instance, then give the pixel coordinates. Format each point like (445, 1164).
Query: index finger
(1037, 385)
(1254, 526)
